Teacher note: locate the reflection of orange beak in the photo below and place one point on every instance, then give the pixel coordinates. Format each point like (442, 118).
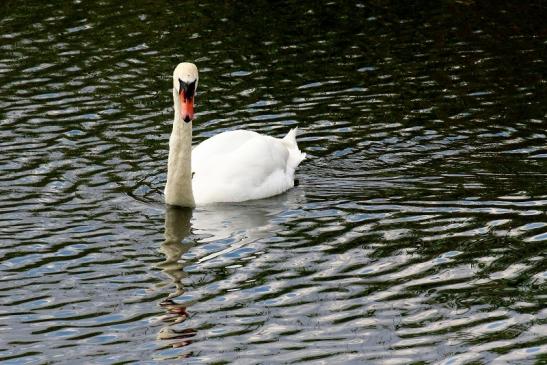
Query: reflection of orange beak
(186, 107)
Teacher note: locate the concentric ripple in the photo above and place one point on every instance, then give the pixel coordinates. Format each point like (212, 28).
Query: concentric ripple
(417, 233)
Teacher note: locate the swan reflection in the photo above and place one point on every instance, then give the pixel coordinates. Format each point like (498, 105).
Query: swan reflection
(242, 223)
(177, 228)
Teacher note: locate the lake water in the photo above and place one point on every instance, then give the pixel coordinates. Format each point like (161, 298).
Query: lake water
(418, 231)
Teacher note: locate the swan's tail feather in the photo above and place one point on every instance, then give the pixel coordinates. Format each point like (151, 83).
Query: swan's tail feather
(290, 138)
(296, 156)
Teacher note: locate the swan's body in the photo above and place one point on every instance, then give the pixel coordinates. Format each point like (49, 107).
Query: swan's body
(232, 166)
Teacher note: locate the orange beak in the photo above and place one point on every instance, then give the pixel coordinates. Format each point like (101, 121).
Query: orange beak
(186, 107)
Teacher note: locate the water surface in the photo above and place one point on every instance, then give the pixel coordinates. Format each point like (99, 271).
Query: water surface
(417, 233)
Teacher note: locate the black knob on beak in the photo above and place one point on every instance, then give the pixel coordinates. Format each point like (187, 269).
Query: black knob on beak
(189, 89)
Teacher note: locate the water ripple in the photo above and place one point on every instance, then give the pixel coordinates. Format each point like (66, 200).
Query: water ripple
(416, 235)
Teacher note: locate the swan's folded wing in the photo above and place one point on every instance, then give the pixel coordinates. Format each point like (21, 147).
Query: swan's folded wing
(220, 144)
(240, 166)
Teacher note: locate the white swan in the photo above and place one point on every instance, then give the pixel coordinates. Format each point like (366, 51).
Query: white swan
(232, 166)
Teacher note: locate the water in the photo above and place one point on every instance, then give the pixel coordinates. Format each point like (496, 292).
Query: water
(417, 233)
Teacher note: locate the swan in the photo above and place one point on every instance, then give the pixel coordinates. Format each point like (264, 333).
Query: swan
(232, 166)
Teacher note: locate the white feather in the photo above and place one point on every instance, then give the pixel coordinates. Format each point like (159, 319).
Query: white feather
(243, 165)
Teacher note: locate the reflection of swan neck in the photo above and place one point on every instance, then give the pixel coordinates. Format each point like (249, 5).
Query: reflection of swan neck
(177, 223)
(177, 227)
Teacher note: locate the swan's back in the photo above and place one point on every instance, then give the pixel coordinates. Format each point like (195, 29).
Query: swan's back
(242, 165)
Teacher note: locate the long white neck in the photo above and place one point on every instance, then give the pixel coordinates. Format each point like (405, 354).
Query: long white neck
(178, 190)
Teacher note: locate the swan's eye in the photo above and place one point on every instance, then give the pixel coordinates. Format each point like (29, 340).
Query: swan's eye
(188, 88)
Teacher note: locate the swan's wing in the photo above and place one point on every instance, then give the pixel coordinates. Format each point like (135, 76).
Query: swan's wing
(241, 165)
(220, 144)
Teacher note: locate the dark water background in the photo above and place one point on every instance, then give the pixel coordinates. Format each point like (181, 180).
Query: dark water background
(417, 234)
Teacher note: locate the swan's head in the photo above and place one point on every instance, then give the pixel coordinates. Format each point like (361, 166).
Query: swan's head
(185, 84)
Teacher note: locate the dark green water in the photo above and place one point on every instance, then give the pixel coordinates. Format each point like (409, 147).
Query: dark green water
(417, 234)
